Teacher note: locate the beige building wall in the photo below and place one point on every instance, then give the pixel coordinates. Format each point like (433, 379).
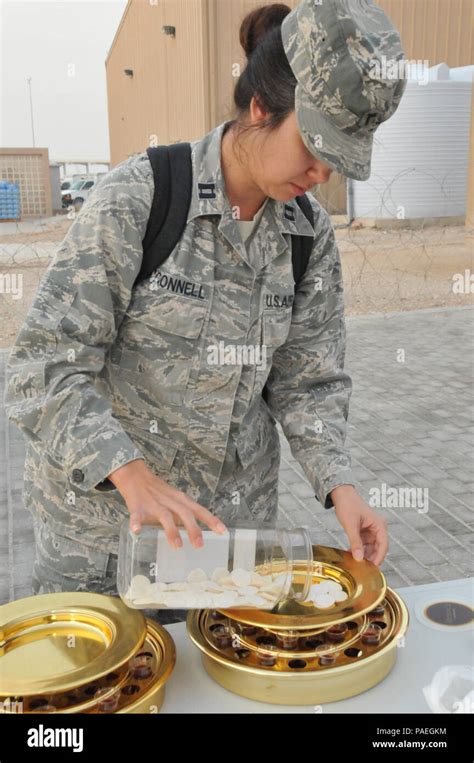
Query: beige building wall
(29, 168)
(470, 179)
(167, 98)
(182, 86)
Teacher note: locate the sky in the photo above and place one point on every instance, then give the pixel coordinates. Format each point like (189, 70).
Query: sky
(62, 46)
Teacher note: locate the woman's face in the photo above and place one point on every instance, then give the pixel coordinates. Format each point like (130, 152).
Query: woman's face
(281, 161)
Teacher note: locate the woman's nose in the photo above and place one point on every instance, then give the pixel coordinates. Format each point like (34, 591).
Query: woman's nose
(320, 173)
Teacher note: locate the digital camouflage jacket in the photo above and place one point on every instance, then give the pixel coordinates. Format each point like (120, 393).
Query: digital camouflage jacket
(101, 373)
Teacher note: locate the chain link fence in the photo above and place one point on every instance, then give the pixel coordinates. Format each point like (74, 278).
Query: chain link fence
(389, 265)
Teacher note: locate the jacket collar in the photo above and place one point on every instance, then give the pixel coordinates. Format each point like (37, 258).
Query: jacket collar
(208, 192)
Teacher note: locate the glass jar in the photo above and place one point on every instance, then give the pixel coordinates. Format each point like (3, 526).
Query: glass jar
(245, 567)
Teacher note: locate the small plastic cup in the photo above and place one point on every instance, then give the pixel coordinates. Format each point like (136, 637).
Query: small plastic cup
(109, 703)
(141, 666)
(372, 634)
(337, 632)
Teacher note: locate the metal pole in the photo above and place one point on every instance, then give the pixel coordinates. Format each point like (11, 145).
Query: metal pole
(31, 111)
(349, 204)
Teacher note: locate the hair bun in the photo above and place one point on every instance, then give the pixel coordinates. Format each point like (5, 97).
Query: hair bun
(258, 22)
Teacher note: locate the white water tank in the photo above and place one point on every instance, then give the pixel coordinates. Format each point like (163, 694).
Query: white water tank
(420, 156)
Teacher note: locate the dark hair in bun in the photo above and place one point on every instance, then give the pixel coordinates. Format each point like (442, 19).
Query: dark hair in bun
(267, 75)
(258, 22)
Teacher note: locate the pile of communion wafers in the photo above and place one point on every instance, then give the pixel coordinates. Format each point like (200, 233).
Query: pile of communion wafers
(224, 590)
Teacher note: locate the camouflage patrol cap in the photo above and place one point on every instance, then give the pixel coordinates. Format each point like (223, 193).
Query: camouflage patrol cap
(341, 52)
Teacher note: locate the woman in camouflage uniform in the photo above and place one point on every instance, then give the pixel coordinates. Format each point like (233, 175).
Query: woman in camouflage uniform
(126, 411)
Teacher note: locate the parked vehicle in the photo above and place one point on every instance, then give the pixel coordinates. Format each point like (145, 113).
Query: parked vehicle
(77, 194)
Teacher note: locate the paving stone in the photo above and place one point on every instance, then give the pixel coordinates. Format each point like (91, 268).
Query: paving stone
(448, 572)
(440, 539)
(417, 573)
(461, 558)
(427, 555)
(395, 581)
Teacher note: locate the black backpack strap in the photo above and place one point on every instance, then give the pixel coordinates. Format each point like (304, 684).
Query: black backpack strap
(172, 173)
(301, 246)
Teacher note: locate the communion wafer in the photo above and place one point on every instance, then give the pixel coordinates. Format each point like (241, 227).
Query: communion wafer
(220, 590)
(198, 586)
(215, 588)
(195, 576)
(241, 577)
(248, 590)
(258, 580)
(272, 588)
(267, 595)
(144, 601)
(323, 601)
(227, 582)
(330, 586)
(225, 600)
(326, 586)
(174, 599)
(156, 588)
(218, 573)
(255, 601)
(140, 584)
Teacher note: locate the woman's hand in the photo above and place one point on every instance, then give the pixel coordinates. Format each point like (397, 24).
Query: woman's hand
(152, 501)
(365, 529)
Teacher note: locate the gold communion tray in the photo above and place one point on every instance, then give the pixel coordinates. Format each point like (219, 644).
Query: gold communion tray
(55, 642)
(363, 582)
(300, 666)
(81, 653)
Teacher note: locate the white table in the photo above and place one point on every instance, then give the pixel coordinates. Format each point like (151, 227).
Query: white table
(191, 690)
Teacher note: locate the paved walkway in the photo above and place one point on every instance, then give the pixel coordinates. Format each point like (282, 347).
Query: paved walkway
(410, 426)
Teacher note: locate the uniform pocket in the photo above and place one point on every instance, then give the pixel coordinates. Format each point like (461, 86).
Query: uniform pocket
(256, 436)
(276, 326)
(74, 323)
(155, 350)
(178, 315)
(63, 564)
(159, 452)
(170, 313)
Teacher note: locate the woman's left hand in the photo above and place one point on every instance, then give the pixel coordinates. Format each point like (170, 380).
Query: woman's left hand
(365, 529)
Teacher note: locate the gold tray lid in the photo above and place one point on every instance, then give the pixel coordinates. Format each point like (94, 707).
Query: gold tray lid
(363, 582)
(57, 641)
